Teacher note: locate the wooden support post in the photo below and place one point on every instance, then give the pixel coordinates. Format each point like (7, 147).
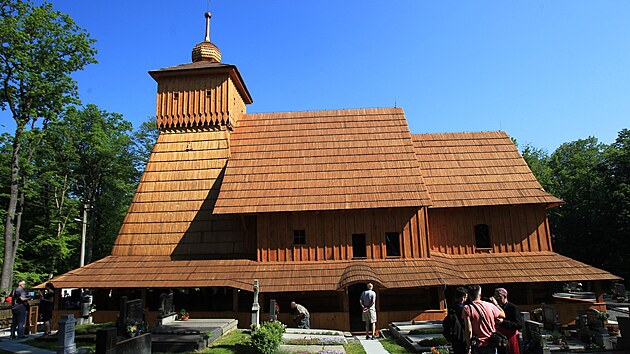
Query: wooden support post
(599, 294)
(343, 300)
(441, 298)
(530, 295)
(234, 301)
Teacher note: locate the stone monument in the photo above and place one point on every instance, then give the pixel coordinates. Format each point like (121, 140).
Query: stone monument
(167, 312)
(256, 307)
(273, 310)
(65, 335)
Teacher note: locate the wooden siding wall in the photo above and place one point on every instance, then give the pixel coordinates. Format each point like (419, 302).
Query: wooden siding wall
(171, 212)
(201, 100)
(329, 234)
(518, 228)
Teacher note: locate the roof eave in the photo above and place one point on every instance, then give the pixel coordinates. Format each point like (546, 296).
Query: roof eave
(230, 69)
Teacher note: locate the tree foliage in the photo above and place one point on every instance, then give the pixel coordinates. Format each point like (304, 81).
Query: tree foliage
(40, 48)
(593, 179)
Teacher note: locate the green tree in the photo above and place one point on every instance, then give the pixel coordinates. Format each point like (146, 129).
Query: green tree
(617, 186)
(104, 171)
(581, 225)
(40, 48)
(538, 162)
(145, 138)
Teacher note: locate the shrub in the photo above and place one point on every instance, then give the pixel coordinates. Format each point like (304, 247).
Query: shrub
(437, 341)
(267, 338)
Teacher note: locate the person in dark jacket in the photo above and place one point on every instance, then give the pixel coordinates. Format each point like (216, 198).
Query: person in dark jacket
(511, 324)
(46, 306)
(461, 296)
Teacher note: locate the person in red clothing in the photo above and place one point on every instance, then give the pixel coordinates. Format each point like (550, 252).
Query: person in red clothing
(512, 323)
(479, 318)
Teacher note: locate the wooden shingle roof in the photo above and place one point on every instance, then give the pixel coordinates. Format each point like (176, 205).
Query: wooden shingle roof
(321, 160)
(440, 269)
(476, 169)
(519, 267)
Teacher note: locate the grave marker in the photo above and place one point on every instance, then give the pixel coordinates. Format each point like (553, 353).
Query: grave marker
(256, 306)
(65, 336)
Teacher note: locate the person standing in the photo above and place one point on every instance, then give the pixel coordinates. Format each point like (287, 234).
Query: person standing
(479, 317)
(46, 306)
(511, 324)
(18, 310)
(368, 304)
(301, 315)
(459, 342)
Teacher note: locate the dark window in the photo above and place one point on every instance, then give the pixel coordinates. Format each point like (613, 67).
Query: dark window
(482, 236)
(208, 93)
(299, 237)
(175, 95)
(392, 241)
(358, 246)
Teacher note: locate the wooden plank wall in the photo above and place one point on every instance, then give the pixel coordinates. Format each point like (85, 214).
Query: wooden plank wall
(329, 234)
(184, 101)
(516, 228)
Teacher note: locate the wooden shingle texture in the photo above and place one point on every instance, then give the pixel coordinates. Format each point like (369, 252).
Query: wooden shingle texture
(476, 169)
(441, 269)
(171, 212)
(321, 160)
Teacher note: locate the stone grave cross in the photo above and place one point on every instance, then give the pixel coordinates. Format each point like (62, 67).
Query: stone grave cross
(256, 306)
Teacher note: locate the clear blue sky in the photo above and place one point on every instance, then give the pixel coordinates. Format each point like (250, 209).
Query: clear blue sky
(546, 72)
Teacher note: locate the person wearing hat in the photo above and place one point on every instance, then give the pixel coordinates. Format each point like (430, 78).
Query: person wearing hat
(511, 324)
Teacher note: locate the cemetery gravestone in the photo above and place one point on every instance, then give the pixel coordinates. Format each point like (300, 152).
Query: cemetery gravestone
(273, 315)
(550, 317)
(534, 334)
(256, 306)
(167, 312)
(166, 304)
(65, 336)
(135, 312)
(131, 314)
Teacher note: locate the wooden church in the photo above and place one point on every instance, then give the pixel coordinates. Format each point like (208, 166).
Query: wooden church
(315, 205)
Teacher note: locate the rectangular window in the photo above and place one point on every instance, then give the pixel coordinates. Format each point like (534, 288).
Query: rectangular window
(175, 95)
(358, 246)
(299, 237)
(392, 242)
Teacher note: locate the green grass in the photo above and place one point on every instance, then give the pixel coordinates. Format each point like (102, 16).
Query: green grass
(52, 345)
(393, 347)
(92, 328)
(236, 342)
(354, 347)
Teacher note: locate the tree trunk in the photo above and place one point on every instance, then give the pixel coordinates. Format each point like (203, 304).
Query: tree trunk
(9, 231)
(18, 227)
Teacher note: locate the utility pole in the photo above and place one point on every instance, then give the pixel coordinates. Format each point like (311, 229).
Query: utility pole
(83, 233)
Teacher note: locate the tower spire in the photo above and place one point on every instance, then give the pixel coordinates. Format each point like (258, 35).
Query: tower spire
(206, 51)
(208, 16)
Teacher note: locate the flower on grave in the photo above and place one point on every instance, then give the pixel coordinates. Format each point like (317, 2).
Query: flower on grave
(439, 350)
(132, 330)
(92, 308)
(276, 309)
(603, 316)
